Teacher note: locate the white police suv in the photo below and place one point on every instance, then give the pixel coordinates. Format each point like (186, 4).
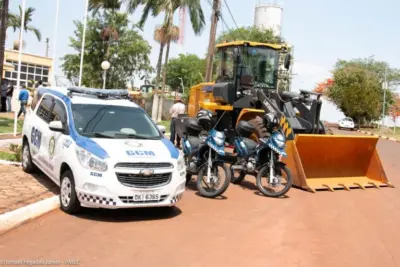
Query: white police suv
(103, 150)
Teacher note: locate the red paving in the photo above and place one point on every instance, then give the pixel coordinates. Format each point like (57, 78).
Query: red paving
(341, 228)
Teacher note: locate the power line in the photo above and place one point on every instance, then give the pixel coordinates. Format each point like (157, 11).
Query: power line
(220, 15)
(234, 21)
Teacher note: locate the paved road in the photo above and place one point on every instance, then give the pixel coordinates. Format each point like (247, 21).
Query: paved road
(356, 228)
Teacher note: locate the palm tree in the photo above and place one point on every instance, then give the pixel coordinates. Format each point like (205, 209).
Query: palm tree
(3, 31)
(171, 35)
(155, 7)
(15, 23)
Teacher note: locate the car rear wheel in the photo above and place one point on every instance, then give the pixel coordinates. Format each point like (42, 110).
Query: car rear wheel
(27, 164)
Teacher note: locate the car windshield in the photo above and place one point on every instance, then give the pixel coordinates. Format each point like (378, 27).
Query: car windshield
(107, 121)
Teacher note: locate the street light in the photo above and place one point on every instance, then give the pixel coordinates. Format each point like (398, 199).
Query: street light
(105, 65)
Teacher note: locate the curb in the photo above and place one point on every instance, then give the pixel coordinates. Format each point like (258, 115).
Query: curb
(13, 163)
(380, 136)
(19, 216)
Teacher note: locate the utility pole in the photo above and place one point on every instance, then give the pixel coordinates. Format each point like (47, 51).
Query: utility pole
(211, 43)
(47, 46)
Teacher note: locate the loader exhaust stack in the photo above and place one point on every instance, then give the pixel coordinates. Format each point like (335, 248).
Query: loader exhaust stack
(335, 162)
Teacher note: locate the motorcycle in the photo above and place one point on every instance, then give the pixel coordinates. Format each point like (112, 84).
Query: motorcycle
(262, 159)
(203, 150)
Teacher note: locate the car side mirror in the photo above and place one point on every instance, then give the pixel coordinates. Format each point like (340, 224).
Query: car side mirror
(56, 126)
(288, 59)
(161, 128)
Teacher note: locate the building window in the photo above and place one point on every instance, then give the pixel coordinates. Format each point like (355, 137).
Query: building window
(29, 72)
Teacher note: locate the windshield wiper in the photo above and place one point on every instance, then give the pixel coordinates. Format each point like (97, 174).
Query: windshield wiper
(96, 134)
(135, 136)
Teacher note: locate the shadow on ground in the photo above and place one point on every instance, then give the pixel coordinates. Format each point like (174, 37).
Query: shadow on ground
(129, 215)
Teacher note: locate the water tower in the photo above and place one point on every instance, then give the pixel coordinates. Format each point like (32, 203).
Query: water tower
(268, 16)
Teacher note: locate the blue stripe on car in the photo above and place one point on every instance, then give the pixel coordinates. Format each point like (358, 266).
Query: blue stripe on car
(172, 149)
(82, 141)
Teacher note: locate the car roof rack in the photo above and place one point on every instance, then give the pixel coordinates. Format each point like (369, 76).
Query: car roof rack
(99, 93)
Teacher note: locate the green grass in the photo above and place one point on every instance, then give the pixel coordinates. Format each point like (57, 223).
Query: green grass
(166, 124)
(7, 125)
(8, 156)
(389, 132)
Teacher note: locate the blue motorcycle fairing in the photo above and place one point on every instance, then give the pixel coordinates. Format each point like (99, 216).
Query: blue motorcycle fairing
(210, 141)
(280, 151)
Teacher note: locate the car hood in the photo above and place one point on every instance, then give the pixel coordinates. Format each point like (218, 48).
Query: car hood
(133, 150)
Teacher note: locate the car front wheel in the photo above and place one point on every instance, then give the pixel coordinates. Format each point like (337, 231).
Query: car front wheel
(69, 202)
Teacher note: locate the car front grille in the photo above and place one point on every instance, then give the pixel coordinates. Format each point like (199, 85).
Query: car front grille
(141, 181)
(143, 165)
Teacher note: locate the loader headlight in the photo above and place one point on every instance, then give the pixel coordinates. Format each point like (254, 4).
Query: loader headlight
(279, 140)
(90, 161)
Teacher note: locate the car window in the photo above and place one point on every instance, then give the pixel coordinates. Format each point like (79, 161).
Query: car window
(36, 99)
(59, 113)
(45, 106)
(105, 121)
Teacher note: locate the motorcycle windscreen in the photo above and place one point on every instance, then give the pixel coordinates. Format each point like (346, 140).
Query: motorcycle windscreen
(335, 161)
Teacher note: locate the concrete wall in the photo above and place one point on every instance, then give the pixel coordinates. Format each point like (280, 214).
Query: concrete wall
(166, 106)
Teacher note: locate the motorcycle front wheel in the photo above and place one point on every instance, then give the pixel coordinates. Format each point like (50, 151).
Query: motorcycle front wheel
(219, 180)
(275, 190)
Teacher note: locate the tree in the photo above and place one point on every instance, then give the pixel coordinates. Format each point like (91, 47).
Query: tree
(168, 7)
(357, 88)
(251, 33)
(15, 23)
(3, 31)
(190, 68)
(129, 56)
(323, 87)
(394, 110)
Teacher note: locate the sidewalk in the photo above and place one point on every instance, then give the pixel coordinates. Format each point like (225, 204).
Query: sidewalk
(19, 189)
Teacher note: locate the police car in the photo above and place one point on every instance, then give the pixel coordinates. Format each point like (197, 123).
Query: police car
(103, 150)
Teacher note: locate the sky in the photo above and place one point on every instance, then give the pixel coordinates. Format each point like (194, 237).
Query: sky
(320, 31)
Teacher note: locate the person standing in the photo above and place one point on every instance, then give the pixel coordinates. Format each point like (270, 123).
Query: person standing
(4, 85)
(23, 99)
(10, 93)
(176, 109)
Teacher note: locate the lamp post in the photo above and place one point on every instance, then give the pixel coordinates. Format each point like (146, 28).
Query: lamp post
(105, 65)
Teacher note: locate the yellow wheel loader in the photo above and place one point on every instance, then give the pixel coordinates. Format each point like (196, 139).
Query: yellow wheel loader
(252, 81)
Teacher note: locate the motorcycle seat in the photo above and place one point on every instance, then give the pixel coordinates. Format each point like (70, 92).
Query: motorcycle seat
(250, 144)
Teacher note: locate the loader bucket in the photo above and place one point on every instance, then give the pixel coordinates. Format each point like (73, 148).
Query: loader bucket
(335, 162)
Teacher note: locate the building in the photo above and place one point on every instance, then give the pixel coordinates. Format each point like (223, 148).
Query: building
(269, 16)
(33, 68)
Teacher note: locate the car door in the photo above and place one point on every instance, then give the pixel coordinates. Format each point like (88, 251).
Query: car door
(55, 151)
(40, 134)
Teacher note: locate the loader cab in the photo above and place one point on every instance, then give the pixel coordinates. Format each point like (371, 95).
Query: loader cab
(248, 64)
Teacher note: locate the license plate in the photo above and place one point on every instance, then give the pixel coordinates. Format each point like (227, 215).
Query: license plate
(146, 196)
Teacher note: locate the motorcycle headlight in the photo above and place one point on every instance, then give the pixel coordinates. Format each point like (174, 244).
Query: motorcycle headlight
(181, 162)
(279, 140)
(219, 138)
(90, 161)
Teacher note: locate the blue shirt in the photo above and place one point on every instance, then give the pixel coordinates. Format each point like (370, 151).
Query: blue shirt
(23, 95)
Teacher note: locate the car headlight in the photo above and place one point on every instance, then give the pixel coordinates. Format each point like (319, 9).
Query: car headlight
(279, 140)
(181, 162)
(90, 161)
